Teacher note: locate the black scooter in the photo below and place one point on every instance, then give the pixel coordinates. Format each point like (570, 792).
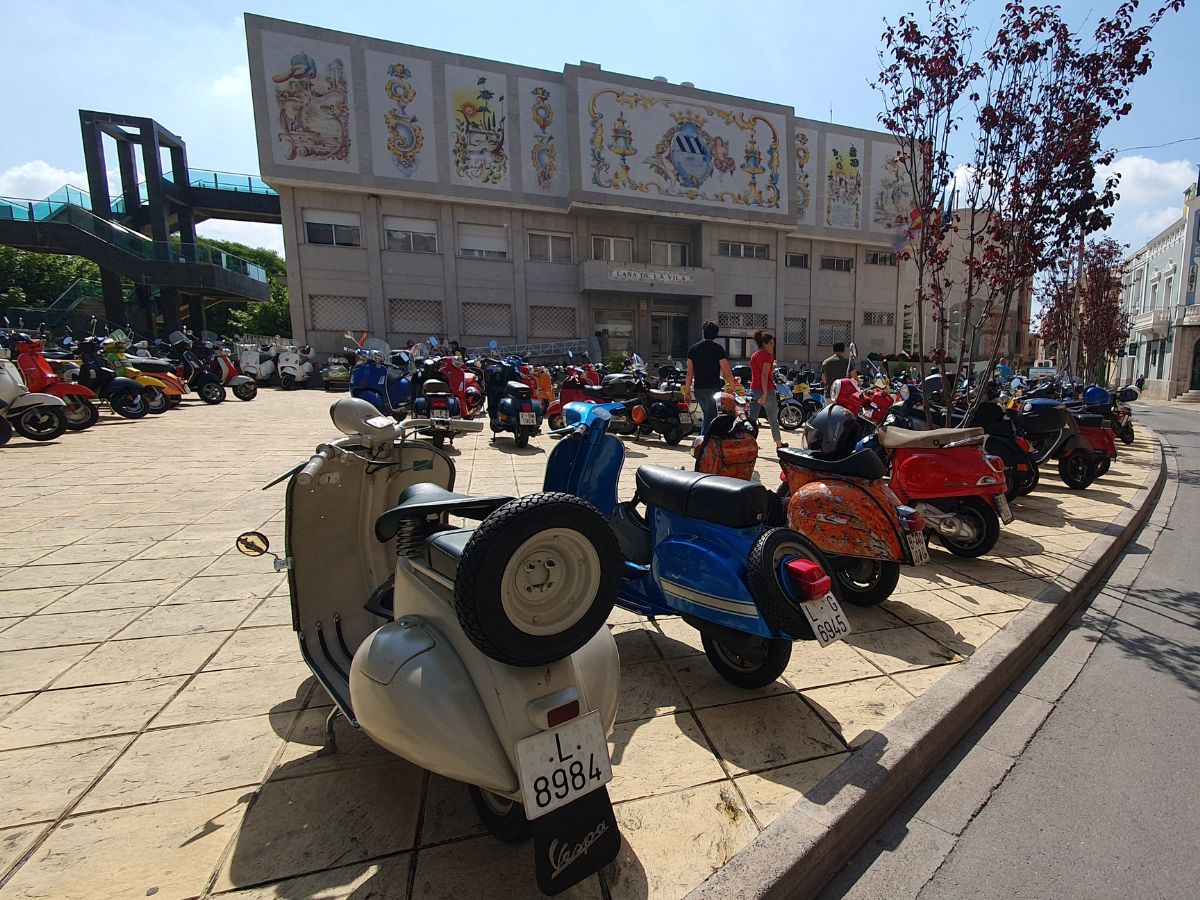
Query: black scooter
(123, 395)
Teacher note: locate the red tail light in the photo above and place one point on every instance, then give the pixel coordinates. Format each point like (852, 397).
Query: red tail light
(995, 462)
(683, 407)
(526, 407)
(809, 579)
(564, 713)
(910, 518)
(439, 404)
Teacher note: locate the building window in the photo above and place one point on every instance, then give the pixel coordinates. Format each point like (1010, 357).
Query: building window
(1167, 292)
(613, 249)
(796, 260)
(877, 258)
(552, 321)
(407, 316)
(485, 241)
(546, 246)
(410, 235)
(744, 251)
(666, 253)
(337, 229)
(487, 319)
(879, 318)
(613, 330)
(743, 300)
(1154, 295)
(337, 312)
(831, 331)
(837, 263)
(795, 331)
(742, 320)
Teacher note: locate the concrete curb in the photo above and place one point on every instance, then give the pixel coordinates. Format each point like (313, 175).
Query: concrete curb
(810, 843)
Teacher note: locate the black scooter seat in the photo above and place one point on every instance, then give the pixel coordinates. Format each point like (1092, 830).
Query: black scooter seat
(518, 389)
(665, 396)
(863, 464)
(427, 499)
(1089, 420)
(444, 549)
(712, 498)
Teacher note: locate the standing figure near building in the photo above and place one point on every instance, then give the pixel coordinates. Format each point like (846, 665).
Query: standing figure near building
(834, 367)
(707, 371)
(762, 383)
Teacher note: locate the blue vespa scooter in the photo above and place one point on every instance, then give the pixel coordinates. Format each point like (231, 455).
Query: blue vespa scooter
(381, 377)
(707, 549)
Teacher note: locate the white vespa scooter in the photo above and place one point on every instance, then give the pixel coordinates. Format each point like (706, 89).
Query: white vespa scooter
(479, 653)
(36, 416)
(295, 366)
(258, 362)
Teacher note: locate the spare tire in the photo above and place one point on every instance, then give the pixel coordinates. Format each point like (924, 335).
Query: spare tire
(537, 579)
(762, 569)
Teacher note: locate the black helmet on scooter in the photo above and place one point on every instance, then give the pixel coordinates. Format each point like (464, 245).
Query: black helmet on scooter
(832, 432)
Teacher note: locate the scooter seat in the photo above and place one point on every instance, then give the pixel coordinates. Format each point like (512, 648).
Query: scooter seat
(665, 396)
(433, 386)
(711, 498)
(594, 390)
(1087, 420)
(863, 464)
(518, 389)
(426, 499)
(894, 438)
(444, 549)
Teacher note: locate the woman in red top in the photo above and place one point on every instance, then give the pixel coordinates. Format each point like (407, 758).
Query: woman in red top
(762, 383)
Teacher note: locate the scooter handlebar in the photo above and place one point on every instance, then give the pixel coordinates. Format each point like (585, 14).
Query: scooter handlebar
(313, 468)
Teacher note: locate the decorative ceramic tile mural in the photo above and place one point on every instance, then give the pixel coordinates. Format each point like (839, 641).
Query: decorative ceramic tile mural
(310, 102)
(477, 126)
(400, 96)
(891, 196)
(803, 178)
(543, 114)
(661, 146)
(843, 177)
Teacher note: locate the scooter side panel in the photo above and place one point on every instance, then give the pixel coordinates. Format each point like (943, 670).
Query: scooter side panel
(844, 519)
(930, 474)
(36, 399)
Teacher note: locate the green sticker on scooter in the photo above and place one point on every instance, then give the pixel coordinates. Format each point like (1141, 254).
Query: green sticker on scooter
(422, 465)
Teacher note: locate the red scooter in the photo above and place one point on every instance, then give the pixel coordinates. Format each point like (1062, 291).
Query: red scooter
(1096, 431)
(81, 410)
(464, 384)
(574, 388)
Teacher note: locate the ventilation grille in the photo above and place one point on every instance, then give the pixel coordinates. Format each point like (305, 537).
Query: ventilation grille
(742, 320)
(795, 331)
(552, 322)
(487, 319)
(879, 318)
(831, 331)
(336, 312)
(415, 316)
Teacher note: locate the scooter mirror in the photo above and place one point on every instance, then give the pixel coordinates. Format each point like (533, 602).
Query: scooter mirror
(1017, 383)
(433, 342)
(638, 361)
(253, 543)
(492, 345)
(570, 354)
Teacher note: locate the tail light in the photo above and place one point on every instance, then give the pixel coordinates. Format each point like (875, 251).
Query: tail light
(910, 518)
(683, 407)
(809, 579)
(564, 713)
(439, 404)
(554, 709)
(995, 462)
(526, 407)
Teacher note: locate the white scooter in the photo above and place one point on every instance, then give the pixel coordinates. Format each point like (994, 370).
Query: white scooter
(295, 366)
(479, 653)
(258, 362)
(36, 416)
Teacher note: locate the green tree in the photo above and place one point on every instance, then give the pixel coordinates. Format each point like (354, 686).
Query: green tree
(40, 277)
(272, 317)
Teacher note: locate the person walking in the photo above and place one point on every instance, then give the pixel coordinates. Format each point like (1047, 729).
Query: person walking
(707, 371)
(834, 367)
(762, 383)
(1004, 370)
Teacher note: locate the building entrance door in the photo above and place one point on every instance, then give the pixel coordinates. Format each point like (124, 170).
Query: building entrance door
(669, 335)
(1195, 385)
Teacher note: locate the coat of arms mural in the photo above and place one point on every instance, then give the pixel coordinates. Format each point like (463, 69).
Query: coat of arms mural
(313, 108)
(479, 153)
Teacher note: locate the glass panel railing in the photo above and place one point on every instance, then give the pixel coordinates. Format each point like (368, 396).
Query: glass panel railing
(228, 181)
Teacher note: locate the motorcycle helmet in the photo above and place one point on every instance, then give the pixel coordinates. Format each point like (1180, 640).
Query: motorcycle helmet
(1096, 396)
(726, 403)
(832, 432)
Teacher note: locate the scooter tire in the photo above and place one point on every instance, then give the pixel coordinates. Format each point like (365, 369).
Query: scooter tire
(1077, 471)
(747, 672)
(212, 393)
(6, 431)
(492, 569)
(1126, 433)
(1031, 480)
(556, 421)
(176, 400)
(129, 409)
(287, 382)
(246, 391)
(762, 575)
(672, 436)
(520, 437)
(1103, 463)
(156, 401)
(986, 521)
(865, 582)
(41, 423)
(81, 414)
(504, 818)
(791, 416)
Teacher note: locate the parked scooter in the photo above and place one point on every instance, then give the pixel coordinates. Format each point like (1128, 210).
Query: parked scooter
(336, 373)
(573, 389)
(195, 373)
(706, 548)
(729, 446)
(295, 366)
(36, 416)
(1054, 434)
(381, 378)
(668, 410)
(161, 390)
(510, 401)
(479, 653)
(123, 395)
(258, 362)
(81, 410)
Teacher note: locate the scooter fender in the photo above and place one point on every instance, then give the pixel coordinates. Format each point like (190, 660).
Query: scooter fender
(62, 389)
(1075, 443)
(123, 385)
(171, 390)
(844, 519)
(26, 401)
(238, 380)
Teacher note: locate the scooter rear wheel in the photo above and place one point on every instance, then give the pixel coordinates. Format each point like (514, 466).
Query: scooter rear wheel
(1126, 433)
(504, 818)
(156, 401)
(772, 548)
(41, 423)
(865, 582)
(751, 670)
(537, 579)
(984, 521)
(1077, 470)
(791, 416)
(520, 437)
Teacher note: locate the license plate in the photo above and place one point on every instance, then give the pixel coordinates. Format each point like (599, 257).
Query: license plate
(828, 621)
(439, 414)
(617, 420)
(528, 418)
(685, 418)
(559, 766)
(916, 546)
(1003, 509)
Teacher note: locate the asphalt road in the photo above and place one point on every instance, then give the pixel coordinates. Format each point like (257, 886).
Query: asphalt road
(1105, 799)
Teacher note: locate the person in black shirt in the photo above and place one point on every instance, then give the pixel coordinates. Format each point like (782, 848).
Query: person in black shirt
(707, 370)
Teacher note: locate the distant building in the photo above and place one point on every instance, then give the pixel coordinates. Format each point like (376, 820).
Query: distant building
(428, 193)
(1160, 292)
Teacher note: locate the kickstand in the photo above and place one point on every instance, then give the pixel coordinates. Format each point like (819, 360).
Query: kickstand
(330, 745)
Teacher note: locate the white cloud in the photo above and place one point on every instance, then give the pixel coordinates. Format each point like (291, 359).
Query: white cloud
(1151, 195)
(37, 179)
(253, 234)
(233, 84)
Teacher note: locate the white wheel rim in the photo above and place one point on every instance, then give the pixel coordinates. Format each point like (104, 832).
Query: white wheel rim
(550, 581)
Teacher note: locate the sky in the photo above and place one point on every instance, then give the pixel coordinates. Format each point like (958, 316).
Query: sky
(184, 64)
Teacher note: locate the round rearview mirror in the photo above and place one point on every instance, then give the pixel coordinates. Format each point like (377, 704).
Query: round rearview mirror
(253, 543)
(492, 345)
(570, 354)
(433, 342)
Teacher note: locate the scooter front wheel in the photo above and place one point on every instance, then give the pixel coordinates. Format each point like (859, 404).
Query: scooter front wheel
(248, 390)
(1126, 433)
(1102, 466)
(81, 413)
(211, 392)
(745, 669)
(156, 401)
(791, 416)
(287, 382)
(129, 407)
(865, 582)
(983, 524)
(41, 423)
(503, 817)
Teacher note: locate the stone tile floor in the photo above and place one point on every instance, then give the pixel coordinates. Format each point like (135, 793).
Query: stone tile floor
(159, 734)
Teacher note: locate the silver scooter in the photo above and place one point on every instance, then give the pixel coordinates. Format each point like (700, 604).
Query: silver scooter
(479, 653)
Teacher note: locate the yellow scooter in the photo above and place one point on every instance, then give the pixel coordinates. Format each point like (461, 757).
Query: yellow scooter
(161, 390)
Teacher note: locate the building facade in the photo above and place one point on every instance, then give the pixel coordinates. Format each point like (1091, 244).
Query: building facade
(427, 193)
(1160, 295)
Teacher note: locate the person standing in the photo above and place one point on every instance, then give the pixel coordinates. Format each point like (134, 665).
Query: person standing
(762, 383)
(707, 371)
(834, 367)
(1004, 370)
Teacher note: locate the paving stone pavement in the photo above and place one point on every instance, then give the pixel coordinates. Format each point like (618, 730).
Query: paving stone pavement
(159, 734)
